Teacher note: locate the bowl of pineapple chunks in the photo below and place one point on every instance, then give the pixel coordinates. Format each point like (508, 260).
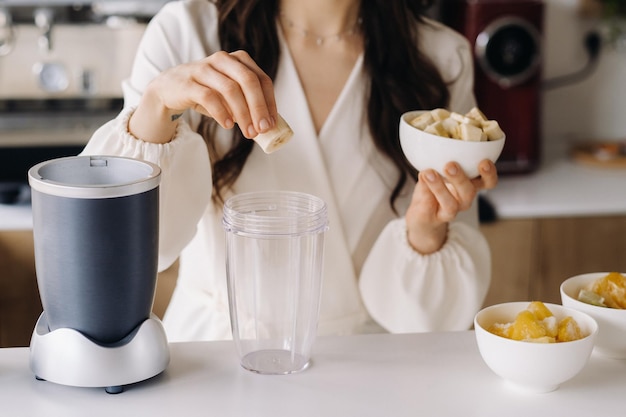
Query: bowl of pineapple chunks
(432, 138)
(602, 295)
(534, 346)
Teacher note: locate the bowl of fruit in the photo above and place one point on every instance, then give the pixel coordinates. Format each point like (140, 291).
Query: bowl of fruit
(431, 139)
(534, 346)
(602, 295)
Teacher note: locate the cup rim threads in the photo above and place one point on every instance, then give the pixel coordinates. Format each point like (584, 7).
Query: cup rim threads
(275, 213)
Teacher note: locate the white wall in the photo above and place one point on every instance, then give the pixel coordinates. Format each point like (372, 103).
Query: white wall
(594, 109)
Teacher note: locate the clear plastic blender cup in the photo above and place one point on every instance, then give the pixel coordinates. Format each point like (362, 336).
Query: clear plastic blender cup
(274, 260)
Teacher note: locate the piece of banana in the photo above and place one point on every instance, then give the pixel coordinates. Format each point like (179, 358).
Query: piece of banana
(276, 137)
(464, 119)
(452, 127)
(492, 130)
(422, 121)
(472, 126)
(440, 114)
(470, 132)
(437, 129)
(476, 114)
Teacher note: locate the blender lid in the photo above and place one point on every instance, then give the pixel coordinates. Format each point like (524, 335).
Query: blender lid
(94, 177)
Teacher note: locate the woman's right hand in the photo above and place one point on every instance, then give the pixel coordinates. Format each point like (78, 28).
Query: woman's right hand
(229, 87)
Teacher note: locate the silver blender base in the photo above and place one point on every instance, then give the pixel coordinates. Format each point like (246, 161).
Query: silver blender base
(67, 357)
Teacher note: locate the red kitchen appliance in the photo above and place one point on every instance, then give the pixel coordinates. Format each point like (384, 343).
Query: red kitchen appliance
(506, 37)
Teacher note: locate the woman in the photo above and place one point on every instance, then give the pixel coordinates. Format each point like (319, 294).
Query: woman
(401, 255)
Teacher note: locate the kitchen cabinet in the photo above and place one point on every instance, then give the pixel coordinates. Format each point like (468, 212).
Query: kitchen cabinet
(19, 297)
(512, 259)
(20, 305)
(531, 257)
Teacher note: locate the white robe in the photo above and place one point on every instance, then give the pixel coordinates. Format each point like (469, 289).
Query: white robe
(372, 278)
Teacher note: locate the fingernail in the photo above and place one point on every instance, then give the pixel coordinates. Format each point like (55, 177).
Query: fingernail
(264, 124)
(452, 170)
(251, 131)
(486, 167)
(228, 123)
(430, 176)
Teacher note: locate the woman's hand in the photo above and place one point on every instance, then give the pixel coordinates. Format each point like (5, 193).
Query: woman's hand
(436, 202)
(229, 87)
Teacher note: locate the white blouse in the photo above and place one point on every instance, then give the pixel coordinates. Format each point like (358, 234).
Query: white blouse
(373, 280)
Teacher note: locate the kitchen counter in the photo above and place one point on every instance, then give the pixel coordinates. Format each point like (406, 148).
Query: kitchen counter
(16, 217)
(562, 188)
(559, 189)
(431, 374)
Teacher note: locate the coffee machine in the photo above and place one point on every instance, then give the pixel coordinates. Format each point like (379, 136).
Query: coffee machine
(62, 64)
(506, 37)
(95, 226)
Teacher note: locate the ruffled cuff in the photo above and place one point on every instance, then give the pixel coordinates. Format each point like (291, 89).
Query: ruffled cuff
(186, 183)
(405, 291)
(114, 138)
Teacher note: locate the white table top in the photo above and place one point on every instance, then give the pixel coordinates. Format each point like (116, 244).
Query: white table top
(562, 188)
(429, 374)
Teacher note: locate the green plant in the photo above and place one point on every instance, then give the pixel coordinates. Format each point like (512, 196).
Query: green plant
(613, 13)
(613, 8)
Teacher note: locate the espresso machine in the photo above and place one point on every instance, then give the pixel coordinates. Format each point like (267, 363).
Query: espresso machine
(95, 225)
(62, 64)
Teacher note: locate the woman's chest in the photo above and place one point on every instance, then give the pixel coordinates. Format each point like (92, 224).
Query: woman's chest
(323, 73)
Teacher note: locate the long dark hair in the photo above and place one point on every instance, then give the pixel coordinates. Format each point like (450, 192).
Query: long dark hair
(402, 78)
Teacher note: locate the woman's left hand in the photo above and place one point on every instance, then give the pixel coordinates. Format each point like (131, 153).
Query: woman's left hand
(436, 202)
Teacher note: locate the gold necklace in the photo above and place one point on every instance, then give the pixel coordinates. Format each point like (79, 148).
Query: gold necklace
(319, 40)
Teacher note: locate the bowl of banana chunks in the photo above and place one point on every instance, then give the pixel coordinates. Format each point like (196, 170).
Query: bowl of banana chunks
(432, 138)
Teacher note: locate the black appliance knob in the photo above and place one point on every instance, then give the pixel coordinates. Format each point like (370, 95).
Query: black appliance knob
(509, 51)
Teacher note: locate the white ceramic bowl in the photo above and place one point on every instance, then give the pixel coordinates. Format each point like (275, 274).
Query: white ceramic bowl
(611, 340)
(534, 367)
(425, 150)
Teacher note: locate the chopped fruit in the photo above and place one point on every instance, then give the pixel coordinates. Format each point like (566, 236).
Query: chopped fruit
(545, 339)
(276, 137)
(438, 129)
(540, 310)
(612, 288)
(492, 130)
(476, 114)
(569, 330)
(471, 133)
(552, 326)
(526, 326)
(537, 324)
(501, 329)
(440, 114)
(422, 121)
(591, 297)
(472, 126)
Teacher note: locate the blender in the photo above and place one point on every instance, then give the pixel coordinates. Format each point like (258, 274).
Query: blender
(95, 227)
